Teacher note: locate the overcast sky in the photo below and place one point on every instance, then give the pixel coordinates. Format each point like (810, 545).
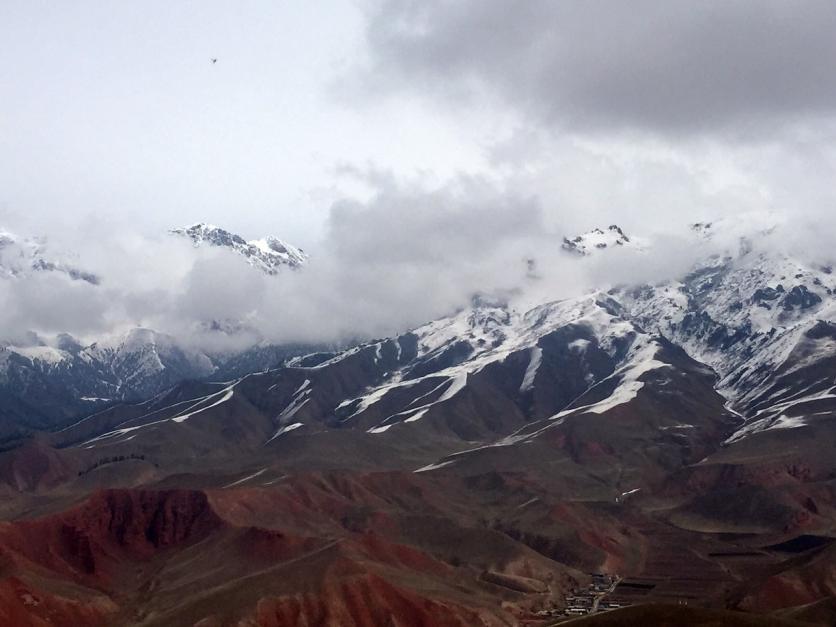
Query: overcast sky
(411, 144)
(114, 109)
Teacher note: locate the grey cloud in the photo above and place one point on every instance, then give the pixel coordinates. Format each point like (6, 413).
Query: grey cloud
(461, 221)
(50, 303)
(673, 66)
(411, 252)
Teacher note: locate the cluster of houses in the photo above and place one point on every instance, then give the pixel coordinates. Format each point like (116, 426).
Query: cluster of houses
(589, 600)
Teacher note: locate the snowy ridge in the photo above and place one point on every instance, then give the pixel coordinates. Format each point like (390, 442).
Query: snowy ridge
(131, 366)
(493, 333)
(21, 257)
(736, 315)
(761, 320)
(748, 315)
(269, 254)
(599, 239)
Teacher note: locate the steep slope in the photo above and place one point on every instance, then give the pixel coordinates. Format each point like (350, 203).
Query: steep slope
(476, 376)
(44, 385)
(46, 381)
(760, 319)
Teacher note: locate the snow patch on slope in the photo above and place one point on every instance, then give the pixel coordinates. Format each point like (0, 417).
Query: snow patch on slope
(224, 394)
(531, 371)
(641, 361)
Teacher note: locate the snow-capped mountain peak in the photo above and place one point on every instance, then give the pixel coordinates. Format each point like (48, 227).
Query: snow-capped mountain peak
(599, 239)
(280, 250)
(269, 254)
(21, 256)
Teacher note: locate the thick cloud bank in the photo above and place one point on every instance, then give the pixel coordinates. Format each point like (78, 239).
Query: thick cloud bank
(404, 256)
(671, 67)
(409, 254)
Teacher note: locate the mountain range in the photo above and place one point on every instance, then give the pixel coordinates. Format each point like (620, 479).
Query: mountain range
(675, 437)
(270, 254)
(44, 381)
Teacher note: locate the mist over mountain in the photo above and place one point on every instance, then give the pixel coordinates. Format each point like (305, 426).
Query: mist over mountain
(241, 306)
(197, 284)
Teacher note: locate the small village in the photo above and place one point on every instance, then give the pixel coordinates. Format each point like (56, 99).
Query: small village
(589, 600)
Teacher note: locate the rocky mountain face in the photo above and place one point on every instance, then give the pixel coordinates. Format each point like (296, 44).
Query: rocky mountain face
(758, 319)
(270, 254)
(479, 469)
(20, 256)
(44, 386)
(44, 382)
(599, 239)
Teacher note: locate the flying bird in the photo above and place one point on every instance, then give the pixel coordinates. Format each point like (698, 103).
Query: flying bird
(214, 61)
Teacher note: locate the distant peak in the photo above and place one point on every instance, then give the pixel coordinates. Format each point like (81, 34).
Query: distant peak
(25, 255)
(269, 254)
(201, 232)
(597, 239)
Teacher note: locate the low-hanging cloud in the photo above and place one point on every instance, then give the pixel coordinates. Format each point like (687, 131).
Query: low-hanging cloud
(409, 253)
(674, 67)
